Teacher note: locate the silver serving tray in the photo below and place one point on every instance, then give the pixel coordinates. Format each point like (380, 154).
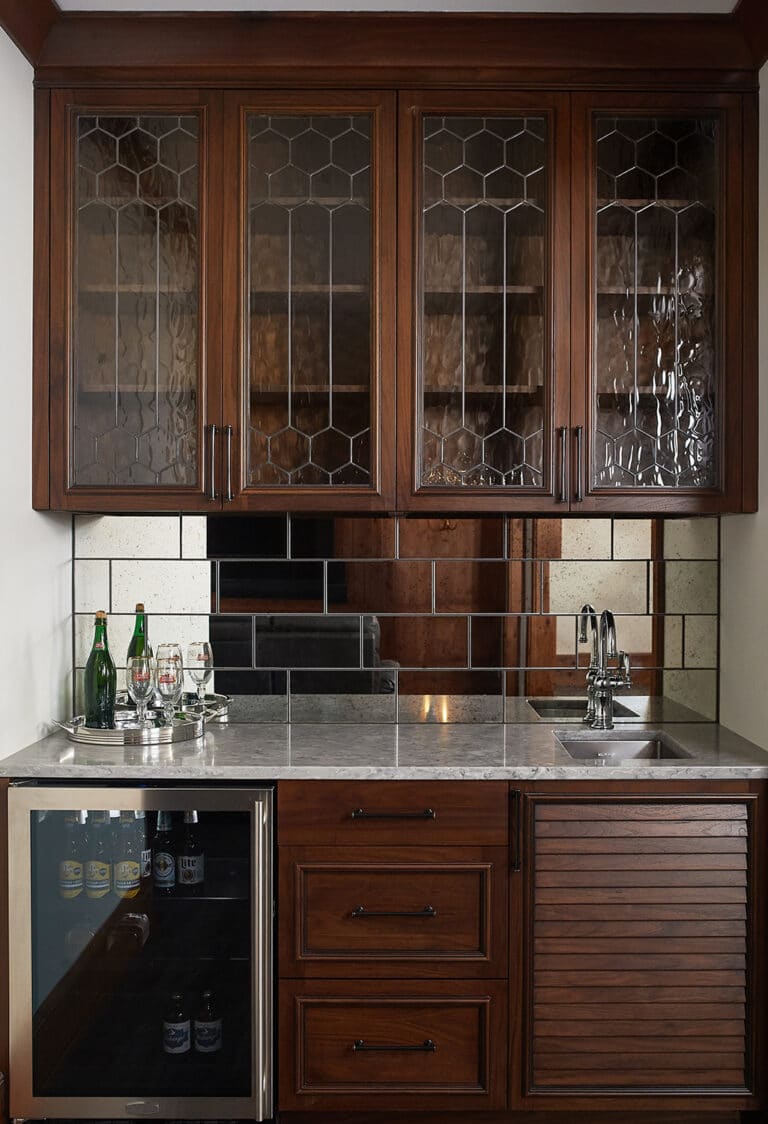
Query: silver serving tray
(216, 706)
(185, 727)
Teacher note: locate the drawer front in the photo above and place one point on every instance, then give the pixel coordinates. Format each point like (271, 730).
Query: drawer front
(357, 813)
(384, 1049)
(375, 911)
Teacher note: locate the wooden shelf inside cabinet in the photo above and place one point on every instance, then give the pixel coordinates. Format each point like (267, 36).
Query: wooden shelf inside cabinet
(310, 290)
(281, 389)
(626, 202)
(136, 290)
(640, 392)
(490, 388)
(487, 290)
(83, 386)
(648, 291)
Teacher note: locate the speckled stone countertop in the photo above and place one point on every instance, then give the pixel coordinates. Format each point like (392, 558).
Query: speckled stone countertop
(487, 751)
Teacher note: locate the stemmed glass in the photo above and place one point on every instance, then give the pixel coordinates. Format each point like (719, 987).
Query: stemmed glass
(170, 685)
(200, 666)
(140, 680)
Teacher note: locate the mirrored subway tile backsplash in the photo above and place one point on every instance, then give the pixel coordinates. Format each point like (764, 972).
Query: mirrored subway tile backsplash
(403, 618)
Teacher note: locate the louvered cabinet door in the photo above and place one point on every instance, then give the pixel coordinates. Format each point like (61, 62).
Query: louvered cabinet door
(639, 928)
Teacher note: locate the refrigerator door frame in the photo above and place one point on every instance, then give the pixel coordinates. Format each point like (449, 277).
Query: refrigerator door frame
(23, 799)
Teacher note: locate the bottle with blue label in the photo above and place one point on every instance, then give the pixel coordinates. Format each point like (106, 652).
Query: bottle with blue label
(207, 1025)
(177, 1036)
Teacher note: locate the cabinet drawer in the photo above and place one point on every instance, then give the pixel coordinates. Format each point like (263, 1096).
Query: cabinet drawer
(393, 1046)
(377, 911)
(396, 812)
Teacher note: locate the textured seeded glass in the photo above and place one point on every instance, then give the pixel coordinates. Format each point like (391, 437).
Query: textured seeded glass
(135, 301)
(482, 352)
(309, 285)
(655, 356)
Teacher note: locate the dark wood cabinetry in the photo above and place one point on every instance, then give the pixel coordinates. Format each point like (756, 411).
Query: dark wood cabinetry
(560, 283)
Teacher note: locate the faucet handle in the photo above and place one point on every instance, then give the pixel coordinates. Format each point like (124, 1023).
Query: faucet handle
(624, 669)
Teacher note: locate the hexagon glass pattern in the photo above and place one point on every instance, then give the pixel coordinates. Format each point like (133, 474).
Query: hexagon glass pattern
(308, 347)
(135, 301)
(483, 362)
(655, 361)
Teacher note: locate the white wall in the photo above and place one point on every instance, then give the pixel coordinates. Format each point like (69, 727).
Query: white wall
(744, 580)
(35, 549)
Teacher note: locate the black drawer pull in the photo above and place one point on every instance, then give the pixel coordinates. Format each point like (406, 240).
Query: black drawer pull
(427, 1047)
(427, 911)
(361, 814)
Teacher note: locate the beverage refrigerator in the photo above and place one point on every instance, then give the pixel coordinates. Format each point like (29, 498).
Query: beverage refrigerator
(140, 952)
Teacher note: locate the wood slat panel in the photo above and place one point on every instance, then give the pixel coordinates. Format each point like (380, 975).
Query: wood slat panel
(624, 995)
(693, 1061)
(640, 877)
(647, 1028)
(688, 929)
(623, 811)
(600, 1005)
(654, 845)
(640, 945)
(645, 1079)
(692, 911)
(638, 979)
(609, 829)
(587, 945)
(671, 861)
(678, 1046)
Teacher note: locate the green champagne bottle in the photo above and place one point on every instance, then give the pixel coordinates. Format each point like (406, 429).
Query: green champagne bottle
(140, 645)
(100, 680)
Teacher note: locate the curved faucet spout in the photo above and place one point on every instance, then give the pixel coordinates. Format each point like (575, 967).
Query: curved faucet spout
(588, 617)
(608, 649)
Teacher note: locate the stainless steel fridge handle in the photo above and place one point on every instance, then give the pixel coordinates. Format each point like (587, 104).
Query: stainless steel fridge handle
(212, 483)
(228, 431)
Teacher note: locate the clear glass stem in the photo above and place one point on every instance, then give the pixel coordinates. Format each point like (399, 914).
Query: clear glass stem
(201, 693)
(168, 710)
(141, 710)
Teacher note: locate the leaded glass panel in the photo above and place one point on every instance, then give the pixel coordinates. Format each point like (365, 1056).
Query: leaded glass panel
(135, 350)
(655, 355)
(308, 333)
(484, 248)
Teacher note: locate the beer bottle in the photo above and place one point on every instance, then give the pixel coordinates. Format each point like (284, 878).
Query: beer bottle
(71, 875)
(163, 856)
(176, 1028)
(98, 866)
(143, 844)
(139, 645)
(207, 1025)
(191, 858)
(127, 864)
(100, 683)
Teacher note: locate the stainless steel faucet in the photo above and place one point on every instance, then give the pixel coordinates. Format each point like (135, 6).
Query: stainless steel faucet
(608, 679)
(588, 617)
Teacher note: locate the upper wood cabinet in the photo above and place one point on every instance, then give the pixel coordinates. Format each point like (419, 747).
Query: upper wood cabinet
(564, 282)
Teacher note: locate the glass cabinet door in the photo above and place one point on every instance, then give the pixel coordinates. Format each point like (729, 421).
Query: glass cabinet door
(136, 274)
(491, 192)
(140, 952)
(317, 232)
(659, 245)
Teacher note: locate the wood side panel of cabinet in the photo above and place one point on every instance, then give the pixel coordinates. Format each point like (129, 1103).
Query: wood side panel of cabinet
(642, 921)
(65, 104)
(385, 1045)
(41, 385)
(555, 109)
(393, 912)
(736, 373)
(750, 416)
(379, 495)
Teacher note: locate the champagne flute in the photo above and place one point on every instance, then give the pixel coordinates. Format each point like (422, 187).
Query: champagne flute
(170, 684)
(170, 651)
(200, 666)
(140, 678)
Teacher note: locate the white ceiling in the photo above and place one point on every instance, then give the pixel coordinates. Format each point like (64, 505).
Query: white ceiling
(603, 7)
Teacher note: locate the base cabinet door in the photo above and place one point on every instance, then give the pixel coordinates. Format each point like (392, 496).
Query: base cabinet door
(640, 921)
(392, 1045)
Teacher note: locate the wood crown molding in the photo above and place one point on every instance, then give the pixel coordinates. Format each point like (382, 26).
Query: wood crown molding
(751, 17)
(348, 49)
(28, 23)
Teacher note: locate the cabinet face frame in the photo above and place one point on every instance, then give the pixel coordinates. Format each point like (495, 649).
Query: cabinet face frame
(522, 1096)
(24, 801)
(555, 108)
(734, 265)
(380, 105)
(65, 106)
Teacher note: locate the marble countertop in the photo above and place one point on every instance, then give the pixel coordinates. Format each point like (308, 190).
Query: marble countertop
(481, 751)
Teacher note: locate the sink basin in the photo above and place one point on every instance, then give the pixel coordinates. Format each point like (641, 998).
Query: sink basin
(573, 708)
(609, 751)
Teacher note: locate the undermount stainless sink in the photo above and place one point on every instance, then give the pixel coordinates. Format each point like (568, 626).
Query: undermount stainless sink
(608, 751)
(573, 708)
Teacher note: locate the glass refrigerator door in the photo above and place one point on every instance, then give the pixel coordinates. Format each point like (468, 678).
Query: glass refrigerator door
(140, 952)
